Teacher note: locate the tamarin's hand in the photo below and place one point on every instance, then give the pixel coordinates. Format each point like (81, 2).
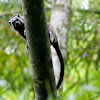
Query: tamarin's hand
(17, 23)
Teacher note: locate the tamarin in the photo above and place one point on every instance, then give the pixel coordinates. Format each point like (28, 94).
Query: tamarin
(17, 23)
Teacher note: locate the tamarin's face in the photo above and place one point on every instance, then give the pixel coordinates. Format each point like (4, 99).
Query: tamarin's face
(17, 22)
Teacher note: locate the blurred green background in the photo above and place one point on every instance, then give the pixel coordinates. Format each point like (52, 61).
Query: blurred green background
(82, 72)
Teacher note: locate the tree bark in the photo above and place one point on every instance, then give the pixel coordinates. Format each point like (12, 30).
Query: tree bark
(39, 48)
(60, 18)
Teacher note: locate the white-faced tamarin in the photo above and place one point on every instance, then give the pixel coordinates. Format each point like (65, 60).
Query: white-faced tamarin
(17, 23)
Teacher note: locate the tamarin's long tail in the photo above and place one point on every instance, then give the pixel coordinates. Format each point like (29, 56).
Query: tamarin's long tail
(61, 63)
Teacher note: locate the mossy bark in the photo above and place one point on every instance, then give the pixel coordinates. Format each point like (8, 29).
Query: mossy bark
(39, 48)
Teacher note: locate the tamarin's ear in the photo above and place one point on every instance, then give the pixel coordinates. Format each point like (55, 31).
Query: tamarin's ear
(9, 22)
(18, 15)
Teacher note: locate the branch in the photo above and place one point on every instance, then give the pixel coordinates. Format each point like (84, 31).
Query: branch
(39, 48)
(9, 13)
(90, 11)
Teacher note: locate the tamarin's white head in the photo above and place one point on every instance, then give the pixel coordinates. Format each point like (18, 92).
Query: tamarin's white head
(17, 22)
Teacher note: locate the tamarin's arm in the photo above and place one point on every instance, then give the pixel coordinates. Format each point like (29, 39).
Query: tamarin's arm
(17, 23)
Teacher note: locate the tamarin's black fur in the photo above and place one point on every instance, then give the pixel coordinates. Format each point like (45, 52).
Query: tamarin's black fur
(17, 23)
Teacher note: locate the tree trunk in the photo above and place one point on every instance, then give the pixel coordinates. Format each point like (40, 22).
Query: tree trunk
(39, 48)
(60, 18)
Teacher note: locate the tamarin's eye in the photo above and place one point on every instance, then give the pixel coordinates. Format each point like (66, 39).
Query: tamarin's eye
(9, 22)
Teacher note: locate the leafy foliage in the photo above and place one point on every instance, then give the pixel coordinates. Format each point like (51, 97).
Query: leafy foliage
(83, 65)
(15, 70)
(82, 75)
